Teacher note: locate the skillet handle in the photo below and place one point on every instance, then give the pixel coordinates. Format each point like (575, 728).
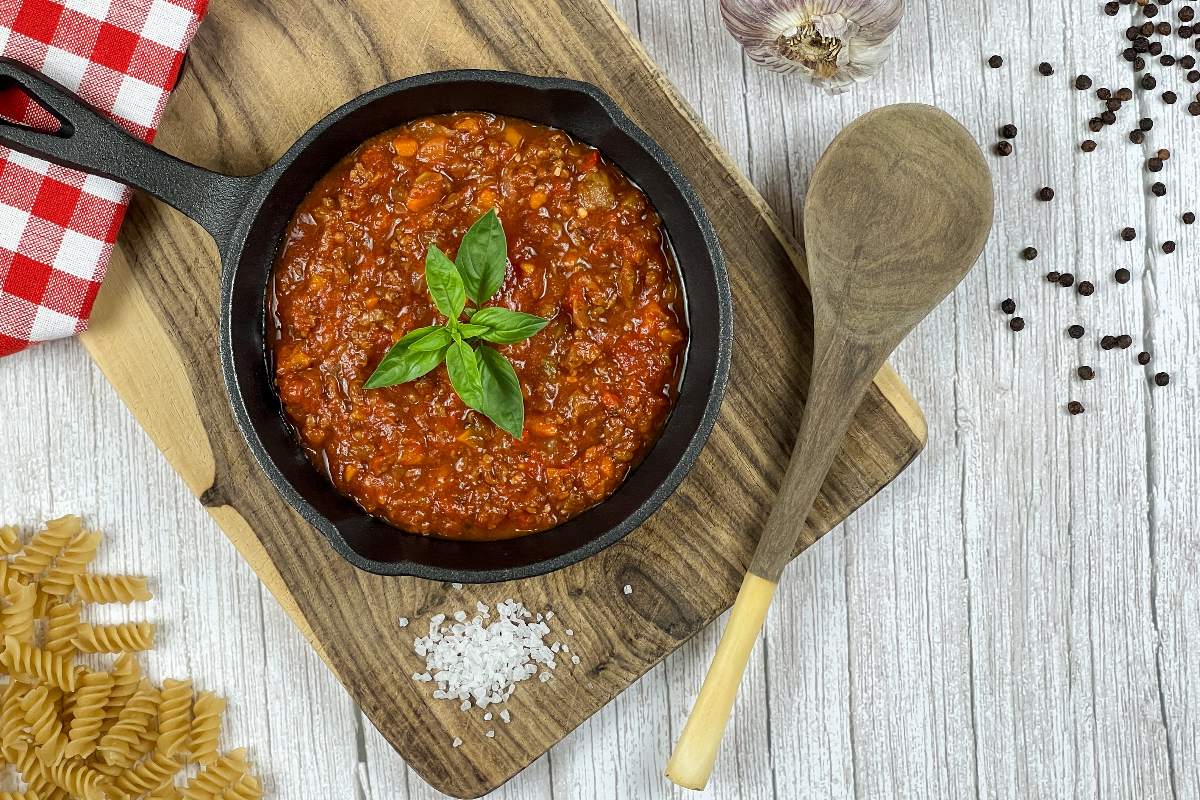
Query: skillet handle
(89, 142)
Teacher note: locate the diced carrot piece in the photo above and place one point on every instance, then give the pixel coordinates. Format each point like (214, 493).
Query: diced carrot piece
(513, 136)
(468, 124)
(405, 146)
(537, 199)
(433, 149)
(348, 472)
(426, 190)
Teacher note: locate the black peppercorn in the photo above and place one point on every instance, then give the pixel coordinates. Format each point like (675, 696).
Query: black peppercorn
(1129, 54)
(1008, 306)
(1124, 341)
(1168, 247)
(1143, 358)
(1128, 234)
(1075, 408)
(1016, 324)
(1045, 194)
(1008, 131)
(1103, 93)
(1075, 331)
(1085, 288)
(1193, 76)
(1108, 342)
(1150, 11)
(1083, 83)
(1187, 14)
(1085, 373)
(1121, 275)
(1045, 69)
(1163, 154)
(1052, 276)
(1159, 189)
(1154, 164)
(1124, 94)
(1194, 108)
(1004, 149)
(1170, 98)
(1095, 124)
(1149, 82)
(1087, 145)
(1113, 104)
(1139, 63)
(1161, 379)
(1066, 279)
(1108, 117)
(1163, 28)
(1187, 62)
(995, 62)
(1029, 253)
(1156, 48)
(1137, 136)
(1112, 8)
(1189, 217)
(1145, 123)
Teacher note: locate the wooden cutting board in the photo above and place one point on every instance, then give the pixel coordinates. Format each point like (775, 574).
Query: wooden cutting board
(259, 75)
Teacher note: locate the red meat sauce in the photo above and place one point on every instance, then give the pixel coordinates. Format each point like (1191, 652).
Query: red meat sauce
(586, 251)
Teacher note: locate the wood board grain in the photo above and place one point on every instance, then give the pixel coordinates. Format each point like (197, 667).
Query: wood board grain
(258, 78)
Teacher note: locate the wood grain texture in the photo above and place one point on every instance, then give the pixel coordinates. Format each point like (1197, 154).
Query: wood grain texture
(231, 123)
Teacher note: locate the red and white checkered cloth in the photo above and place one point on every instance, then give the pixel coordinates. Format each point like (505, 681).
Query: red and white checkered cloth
(57, 226)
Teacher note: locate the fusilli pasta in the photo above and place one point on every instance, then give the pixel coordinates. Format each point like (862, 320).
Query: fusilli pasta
(41, 716)
(32, 662)
(111, 588)
(217, 777)
(45, 545)
(120, 745)
(124, 637)
(150, 774)
(88, 713)
(73, 560)
(60, 629)
(17, 617)
(10, 540)
(174, 716)
(206, 727)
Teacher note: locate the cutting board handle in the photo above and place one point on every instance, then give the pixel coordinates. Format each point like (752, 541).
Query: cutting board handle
(89, 142)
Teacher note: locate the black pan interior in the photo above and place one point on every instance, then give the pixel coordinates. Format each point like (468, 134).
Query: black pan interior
(581, 111)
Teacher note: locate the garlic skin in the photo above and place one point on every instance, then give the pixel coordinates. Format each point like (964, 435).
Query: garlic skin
(833, 44)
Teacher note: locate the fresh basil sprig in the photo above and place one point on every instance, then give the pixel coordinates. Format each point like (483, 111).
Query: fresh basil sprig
(480, 375)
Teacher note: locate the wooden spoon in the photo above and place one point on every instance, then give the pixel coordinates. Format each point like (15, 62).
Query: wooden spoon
(898, 209)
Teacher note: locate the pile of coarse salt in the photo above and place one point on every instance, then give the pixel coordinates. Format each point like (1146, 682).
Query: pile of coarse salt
(479, 661)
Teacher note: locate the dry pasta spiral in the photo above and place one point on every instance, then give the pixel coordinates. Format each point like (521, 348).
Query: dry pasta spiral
(83, 782)
(17, 617)
(247, 787)
(149, 775)
(174, 716)
(41, 716)
(206, 727)
(126, 677)
(120, 746)
(88, 713)
(124, 637)
(10, 540)
(45, 545)
(73, 560)
(111, 588)
(218, 776)
(63, 619)
(34, 662)
(12, 721)
(26, 795)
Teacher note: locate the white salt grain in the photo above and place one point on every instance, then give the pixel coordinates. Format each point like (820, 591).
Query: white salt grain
(574, 659)
(456, 743)
(504, 715)
(404, 622)
(490, 734)
(456, 585)
(487, 717)
(569, 632)
(628, 589)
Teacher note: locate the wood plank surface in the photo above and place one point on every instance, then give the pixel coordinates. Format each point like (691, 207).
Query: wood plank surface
(683, 565)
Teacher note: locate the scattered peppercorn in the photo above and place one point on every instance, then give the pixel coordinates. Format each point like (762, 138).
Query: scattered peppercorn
(1114, 104)
(1085, 373)
(1108, 342)
(1124, 341)
(1075, 331)
(1004, 149)
(1008, 306)
(1164, 28)
(1193, 76)
(1008, 131)
(1045, 194)
(1052, 276)
(1066, 279)
(1128, 234)
(1124, 94)
(1075, 408)
(1121, 275)
(1159, 189)
(1045, 69)
(1161, 379)
(1136, 136)
(995, 62)
(1168, 247)
(1167, 60)
(1187, 14)
(1150, 11)
(1143, 358)
(1170, 98)
(1087, 145)
(1189, 217)
(1085, 288)
(1154, 164)
(1194, 109)
(1112, 8)
(1145, 123)
(1108, 117)
(1029, 253)
(1187, 62)
(1149, 82)
(1016, 324)
(1083, 83)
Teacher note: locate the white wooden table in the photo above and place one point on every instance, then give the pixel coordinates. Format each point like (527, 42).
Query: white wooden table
(1015, 617)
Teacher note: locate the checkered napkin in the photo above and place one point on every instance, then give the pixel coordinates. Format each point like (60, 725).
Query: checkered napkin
(57, 226)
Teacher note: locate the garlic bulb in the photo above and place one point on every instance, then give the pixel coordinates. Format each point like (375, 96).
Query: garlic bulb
(831, 43)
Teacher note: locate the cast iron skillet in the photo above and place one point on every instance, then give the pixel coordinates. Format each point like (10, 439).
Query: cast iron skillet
(247, 216)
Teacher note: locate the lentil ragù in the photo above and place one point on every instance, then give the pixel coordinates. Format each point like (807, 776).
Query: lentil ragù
(586, 250)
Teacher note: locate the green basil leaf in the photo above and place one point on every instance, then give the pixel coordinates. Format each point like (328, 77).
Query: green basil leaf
(445, 284)
(507, 326)
(436, 336)
(467, 330)
(405, 362)
(464, 374)
(483, 258)
(502, 400)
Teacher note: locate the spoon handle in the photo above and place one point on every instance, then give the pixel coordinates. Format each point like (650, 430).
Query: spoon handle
(833, 399)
